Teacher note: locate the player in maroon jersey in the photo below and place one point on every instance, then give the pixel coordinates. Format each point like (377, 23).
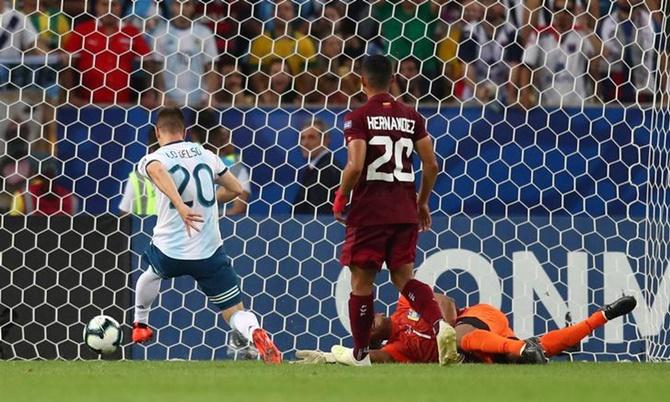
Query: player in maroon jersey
(385, 216)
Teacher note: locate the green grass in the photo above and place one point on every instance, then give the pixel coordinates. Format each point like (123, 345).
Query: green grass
(252, 381)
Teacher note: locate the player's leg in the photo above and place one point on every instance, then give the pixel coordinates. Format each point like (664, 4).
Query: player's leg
(401, 254)
(472, 339)
(218, 280)
(361, 309)
(241, 320)
(419, 295)
(483, 331)
(422, 300)
(361, 317)
(246, 323)
(146, 290)
(555, 342)
(363, 252)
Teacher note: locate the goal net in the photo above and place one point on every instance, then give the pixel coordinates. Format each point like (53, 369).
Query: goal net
(550, 122)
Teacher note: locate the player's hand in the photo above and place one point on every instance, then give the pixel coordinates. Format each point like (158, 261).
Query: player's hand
(313, 357)
(424, 217)
(190, 218)
(339, 204)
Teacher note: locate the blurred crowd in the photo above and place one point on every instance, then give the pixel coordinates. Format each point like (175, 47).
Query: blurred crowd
(305, 53)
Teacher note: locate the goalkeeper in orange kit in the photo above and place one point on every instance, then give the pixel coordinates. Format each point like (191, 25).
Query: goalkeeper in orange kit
(483, 335)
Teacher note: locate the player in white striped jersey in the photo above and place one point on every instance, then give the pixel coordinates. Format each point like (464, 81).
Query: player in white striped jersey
(186, 239)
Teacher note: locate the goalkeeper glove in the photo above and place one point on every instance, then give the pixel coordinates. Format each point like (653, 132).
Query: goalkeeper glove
(313, 357)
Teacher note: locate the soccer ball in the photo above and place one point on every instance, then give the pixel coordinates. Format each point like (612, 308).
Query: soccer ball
(103, 334)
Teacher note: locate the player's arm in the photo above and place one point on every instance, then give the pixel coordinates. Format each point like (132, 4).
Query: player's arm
(239, 205)
(356, 150)
(447, 307)
(230, 188)
(424, 147)
(355, 162)
(163, 181)
(126, 204)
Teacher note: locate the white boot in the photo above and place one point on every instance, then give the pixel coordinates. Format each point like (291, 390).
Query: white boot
(446, 344)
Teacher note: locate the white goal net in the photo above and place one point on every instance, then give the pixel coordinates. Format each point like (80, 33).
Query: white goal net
(550, 121)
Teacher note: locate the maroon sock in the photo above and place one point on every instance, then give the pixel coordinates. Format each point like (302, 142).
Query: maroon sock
(361, 315)
(422, 300)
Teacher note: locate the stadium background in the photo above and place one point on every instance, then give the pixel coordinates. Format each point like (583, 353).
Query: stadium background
(517, 177)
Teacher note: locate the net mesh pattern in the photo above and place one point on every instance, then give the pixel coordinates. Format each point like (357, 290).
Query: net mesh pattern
(549, 118)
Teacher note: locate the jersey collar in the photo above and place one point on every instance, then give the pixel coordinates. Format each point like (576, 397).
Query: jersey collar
(174, 142)
(385, 97)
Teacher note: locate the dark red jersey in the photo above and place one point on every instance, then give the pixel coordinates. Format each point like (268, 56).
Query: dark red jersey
(412, 339)
(385, 193)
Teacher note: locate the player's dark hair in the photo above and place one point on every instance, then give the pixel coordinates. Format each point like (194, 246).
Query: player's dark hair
(378, 71)
(171, 120)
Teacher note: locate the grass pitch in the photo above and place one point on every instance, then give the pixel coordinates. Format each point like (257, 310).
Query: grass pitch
(252, 381)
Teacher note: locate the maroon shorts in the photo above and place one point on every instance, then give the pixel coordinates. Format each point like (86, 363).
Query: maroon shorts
(370, 246)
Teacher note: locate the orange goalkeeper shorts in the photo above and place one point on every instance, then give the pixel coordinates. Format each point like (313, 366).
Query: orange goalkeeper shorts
(493, 319)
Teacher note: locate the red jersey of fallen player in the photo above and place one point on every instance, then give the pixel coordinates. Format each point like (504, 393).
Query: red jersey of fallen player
(412, 339)
(105, 60)
(385, 193)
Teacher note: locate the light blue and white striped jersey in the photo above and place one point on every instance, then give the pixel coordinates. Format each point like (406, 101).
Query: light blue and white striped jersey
(194, 170)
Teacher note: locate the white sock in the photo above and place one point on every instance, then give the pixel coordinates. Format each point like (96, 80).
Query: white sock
(146, 292)
(245, 322)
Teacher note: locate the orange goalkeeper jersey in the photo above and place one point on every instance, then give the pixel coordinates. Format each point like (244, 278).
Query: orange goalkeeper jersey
(412, 339)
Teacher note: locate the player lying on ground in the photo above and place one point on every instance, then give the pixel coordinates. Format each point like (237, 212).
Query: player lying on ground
(483, 335)
(185, 175)
(385, 215)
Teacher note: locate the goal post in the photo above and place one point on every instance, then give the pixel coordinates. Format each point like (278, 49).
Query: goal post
(550, 202)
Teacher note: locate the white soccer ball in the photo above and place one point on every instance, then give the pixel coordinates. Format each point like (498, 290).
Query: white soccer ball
(103, 334)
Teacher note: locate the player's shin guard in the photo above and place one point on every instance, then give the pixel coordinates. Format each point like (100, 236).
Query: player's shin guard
(146, 291)
(554, 342)
(422, 300)
(361, 316)
(483, 341)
